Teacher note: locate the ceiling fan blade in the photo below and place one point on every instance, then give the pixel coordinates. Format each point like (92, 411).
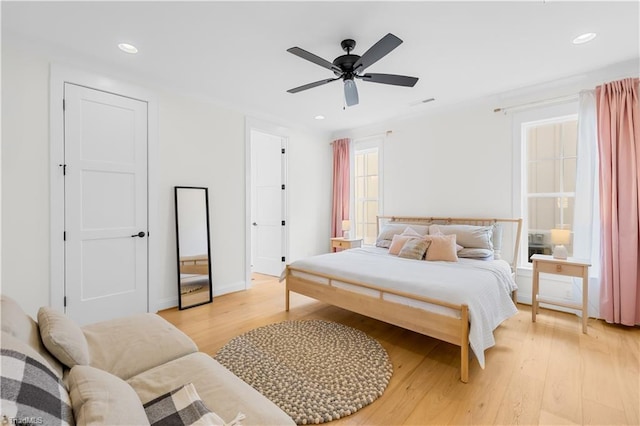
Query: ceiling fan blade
(385, 45)
(396, 80)
(312, 85)
(313, 58)
(350, 92)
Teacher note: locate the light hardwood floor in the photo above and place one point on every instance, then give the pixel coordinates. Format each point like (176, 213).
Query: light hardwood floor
(542, 373)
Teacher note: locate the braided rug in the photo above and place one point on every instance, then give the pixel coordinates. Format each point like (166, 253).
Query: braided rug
(314, 370)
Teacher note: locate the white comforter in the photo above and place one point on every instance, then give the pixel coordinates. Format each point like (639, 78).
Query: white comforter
(485, 286)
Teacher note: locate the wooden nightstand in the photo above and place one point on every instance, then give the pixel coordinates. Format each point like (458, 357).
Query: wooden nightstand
(345, 243)
(571, 267)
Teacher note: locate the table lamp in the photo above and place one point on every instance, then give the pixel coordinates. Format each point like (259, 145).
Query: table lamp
(346, 227)
(560, 237)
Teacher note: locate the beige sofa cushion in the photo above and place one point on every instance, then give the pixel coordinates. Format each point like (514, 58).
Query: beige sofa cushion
(221, 391)
(101, 398)
(23, 328)
(63, 337)
(128, 346)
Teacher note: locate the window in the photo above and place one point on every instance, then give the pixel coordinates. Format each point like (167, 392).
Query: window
(366, 181)
(549, 177)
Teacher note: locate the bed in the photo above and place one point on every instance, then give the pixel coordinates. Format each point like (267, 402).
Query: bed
(457, 302)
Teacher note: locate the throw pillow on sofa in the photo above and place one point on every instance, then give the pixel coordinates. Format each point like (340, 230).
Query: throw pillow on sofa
(183, 406)
(31, 392)
(63, 338)
(98, 397)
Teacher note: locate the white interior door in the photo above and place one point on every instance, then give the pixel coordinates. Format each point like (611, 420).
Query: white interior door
(267, 203)
(106, 251)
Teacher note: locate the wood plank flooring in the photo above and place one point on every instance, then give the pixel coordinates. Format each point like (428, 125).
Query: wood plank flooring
(546, 372)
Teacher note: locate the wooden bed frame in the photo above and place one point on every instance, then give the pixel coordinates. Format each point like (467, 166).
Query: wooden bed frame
(449, 329)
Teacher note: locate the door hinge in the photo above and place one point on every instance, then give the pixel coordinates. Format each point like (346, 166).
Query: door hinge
(283, 150)
(65, 301)
(283, 186)
(64, 235)
(283, 223)
(283, 258)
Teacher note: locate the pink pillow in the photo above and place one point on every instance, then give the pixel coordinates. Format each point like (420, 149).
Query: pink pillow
(439, 233)
(442, 247)
(398, 242)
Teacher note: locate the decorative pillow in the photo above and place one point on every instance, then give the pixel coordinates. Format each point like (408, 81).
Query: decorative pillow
(475, 253)
(469, 236)
(415, 248)
(182, 406)
(99, 397)
(398, 242)
(409, 231)
(442, 247)
(63, 338)
(30, 390)
(390, 229)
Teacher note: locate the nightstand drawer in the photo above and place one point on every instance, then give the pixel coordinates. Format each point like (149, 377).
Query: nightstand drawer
(341, 244)
(561, 269)
(344, 244)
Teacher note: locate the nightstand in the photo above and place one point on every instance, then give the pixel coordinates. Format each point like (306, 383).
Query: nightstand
(345, 243)
(571, 267)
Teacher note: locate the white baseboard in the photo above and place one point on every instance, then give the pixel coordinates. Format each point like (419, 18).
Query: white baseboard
(218, 290)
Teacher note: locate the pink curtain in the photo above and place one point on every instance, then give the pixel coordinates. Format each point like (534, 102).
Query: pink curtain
(341, 183)
(619, 149)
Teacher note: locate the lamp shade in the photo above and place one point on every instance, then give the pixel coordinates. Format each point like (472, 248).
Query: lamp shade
(560, 236)
(346, 225)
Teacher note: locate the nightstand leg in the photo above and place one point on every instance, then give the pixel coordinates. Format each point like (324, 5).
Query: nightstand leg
(585, 300)
(534, 294)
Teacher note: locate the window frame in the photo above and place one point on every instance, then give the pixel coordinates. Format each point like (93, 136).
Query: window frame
(362, 145)
(541, 115)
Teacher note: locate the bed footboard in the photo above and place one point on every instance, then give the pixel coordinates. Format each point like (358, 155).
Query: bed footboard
(451, 329)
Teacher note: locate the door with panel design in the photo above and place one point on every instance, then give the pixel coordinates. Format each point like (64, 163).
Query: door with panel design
(106, 249)
(267, 204)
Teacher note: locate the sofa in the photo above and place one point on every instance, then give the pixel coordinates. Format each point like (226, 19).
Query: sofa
(134, 370)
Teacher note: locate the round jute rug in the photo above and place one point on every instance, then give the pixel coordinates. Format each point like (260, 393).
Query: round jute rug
(314, 370)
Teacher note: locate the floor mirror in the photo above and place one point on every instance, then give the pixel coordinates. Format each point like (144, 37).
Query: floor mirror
(193, 247)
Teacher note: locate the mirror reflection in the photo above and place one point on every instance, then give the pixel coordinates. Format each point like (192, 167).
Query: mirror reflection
(194, 254)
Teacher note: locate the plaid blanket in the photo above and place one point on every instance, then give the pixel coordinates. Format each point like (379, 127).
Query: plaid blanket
(31, 394)
(183, 406)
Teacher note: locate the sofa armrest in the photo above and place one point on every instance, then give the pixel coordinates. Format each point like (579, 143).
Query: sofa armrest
(128, 346)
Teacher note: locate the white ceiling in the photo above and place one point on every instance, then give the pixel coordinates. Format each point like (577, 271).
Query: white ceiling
(234, 53)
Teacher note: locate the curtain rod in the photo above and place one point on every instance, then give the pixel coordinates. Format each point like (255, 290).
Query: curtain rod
(387, 133)
(534, 103)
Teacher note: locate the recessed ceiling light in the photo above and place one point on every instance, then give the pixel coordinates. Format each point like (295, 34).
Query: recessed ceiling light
(128, 48)
(584, 38)
(319, 117)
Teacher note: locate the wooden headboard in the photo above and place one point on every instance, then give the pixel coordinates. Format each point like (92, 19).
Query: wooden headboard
(382, 220)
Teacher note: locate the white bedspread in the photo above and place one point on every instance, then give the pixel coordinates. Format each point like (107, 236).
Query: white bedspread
(485, 286)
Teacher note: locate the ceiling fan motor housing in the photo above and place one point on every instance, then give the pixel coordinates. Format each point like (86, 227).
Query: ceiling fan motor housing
(345, 63)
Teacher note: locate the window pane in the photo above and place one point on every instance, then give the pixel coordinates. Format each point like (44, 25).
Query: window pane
(372, 187)
(359, 164)
(372, 163)
(371, 211)
(543, 176)
(359, 230)
(569, 176)
(359, 213)
(542, 213)
(359, 188)
(370, 236)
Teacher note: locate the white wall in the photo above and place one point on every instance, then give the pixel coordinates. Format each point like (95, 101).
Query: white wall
(25, 178)
(200, 144)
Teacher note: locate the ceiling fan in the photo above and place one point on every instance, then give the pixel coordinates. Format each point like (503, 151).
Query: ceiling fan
(349, 67)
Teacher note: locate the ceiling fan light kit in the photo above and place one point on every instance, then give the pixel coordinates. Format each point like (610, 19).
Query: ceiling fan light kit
(350, 67)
